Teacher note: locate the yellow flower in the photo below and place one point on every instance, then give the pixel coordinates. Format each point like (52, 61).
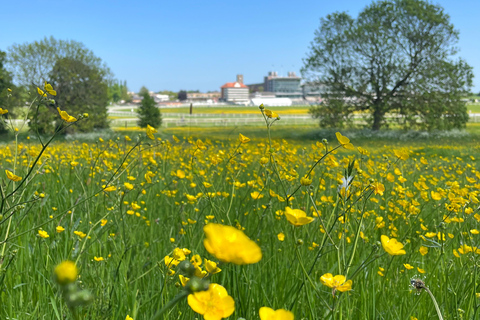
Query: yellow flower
(109, 188)
(12, 176)
(363, 151)
(337, 283)
(256, 195)
(60, 229)
(344, 141)
(436, 195)
(180, 174)
(65, 116)
(128, 317)
(229, 244)
(270, 114)
(423, 250)
(378, 188)
(80, 234)
(41, 93)
(267, 313)
(420, 270)
(43, 234)
(183, 280)
(401, 154)
(242, 138)
(49, 89)
(213, 304)
(407, 266)
(150, 131)
(3, 111)
(297, 217)
(305, 181)
(392, 246)
(211, 267)
(129, 186)
(98, 259)
(281, 236)
(66, 272)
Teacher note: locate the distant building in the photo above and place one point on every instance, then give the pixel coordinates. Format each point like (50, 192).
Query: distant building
(203, 97)
(283, 87)
(235, 92)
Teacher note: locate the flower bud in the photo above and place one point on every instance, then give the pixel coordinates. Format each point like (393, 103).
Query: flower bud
(196, 284)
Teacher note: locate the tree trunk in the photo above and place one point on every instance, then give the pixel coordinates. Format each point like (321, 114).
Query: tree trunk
(378, 116)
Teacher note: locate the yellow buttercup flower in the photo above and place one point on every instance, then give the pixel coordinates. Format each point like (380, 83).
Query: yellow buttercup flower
(66, 272)
(211, 267)
(150, 131)
(12, 176)
(344, 141)
(267, 313)
(213, 304)
(41, 93)
(337, 283)
(98, 259)
(401, 154)
(43, 234)
(229, 244)
(270, 114)
(242, 138)
(109, 188)
(128, 317)
(378, 188)
(3, 111)
(392, 246)
(65, 116)
(297, 217)
(127, 185)
(59, 229)
(49, 89)
(436, 195)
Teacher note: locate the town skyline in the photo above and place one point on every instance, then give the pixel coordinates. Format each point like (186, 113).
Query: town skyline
(193, 46)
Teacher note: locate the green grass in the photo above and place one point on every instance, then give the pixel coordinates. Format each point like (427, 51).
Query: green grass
(133, 279)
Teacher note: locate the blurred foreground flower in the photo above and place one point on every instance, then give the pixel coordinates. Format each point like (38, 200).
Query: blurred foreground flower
(66, 272)
(392, 246)
(229, 244)
(213, 304)
(267, 313)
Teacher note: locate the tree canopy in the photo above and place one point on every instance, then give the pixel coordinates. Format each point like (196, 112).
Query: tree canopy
(81, 89)
(148, 113)
(394, 60)
(31, 63)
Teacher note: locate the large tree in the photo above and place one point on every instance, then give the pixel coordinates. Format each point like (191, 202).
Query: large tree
(81, 88)
(395, 59)
(31, 63)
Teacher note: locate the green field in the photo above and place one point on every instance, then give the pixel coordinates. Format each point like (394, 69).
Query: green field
(130, 211)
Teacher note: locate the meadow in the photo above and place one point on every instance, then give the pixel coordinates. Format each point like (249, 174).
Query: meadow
(135, 225)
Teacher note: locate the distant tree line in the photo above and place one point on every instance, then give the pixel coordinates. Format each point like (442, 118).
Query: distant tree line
(83, 82)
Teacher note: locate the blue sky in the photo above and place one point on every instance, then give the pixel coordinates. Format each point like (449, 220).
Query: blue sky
(199, 45)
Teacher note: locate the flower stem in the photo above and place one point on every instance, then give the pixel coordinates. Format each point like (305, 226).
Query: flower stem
(170, 304)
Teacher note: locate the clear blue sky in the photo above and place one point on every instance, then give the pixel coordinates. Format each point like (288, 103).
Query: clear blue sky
(199, 45)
